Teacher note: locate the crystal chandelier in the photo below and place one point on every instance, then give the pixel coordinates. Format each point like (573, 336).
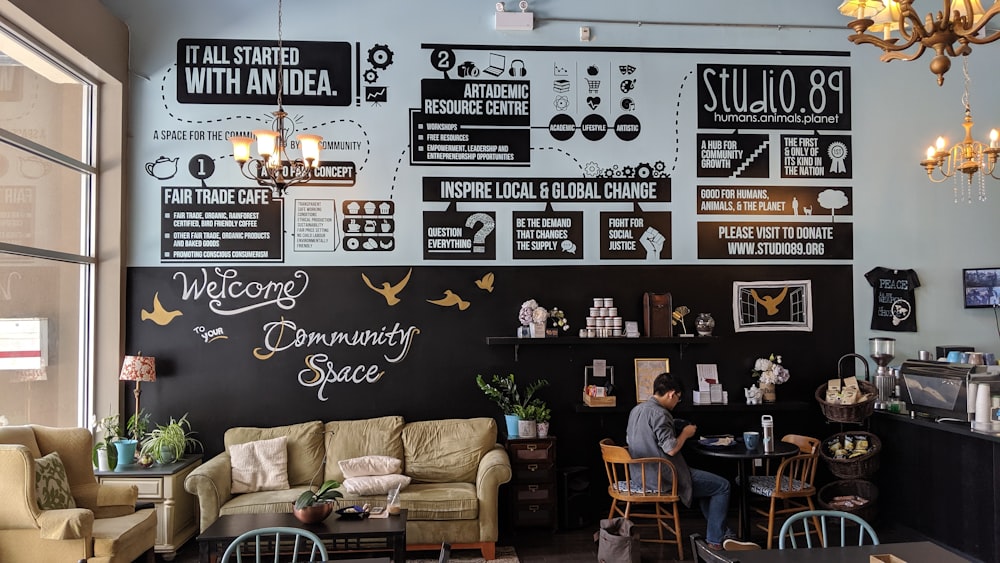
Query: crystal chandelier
(905, 36)
(273, 168)
(970, 157)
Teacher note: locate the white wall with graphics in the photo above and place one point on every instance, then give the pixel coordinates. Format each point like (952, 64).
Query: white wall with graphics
(453, 143)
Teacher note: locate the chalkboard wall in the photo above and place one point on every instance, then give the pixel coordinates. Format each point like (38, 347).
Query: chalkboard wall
(265, 346)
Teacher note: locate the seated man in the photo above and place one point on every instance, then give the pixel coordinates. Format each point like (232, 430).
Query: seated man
(653, 432)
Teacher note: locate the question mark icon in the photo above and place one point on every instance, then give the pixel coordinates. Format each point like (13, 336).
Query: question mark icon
(479, 238)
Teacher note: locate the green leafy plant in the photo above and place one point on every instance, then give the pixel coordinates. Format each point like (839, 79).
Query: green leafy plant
(138, 425)
(543, 413)
(110, 428)
(168, 442)
(327, 493)
(505, 392)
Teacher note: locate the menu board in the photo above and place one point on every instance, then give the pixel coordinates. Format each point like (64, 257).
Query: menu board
(213, 224)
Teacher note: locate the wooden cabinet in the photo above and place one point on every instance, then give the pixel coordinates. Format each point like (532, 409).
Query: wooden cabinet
(163, 486)
(533, 486)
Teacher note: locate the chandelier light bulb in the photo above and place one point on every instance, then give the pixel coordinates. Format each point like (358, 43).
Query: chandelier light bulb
(267, 142)
(930, 152)
(309, 144)
(993, 138)
(241, 148)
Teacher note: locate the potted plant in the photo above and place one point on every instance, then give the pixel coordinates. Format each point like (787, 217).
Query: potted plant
(312, 507)
(505, 393)
(526, 425)
(167, 443)
(104, 454)
(543, 414)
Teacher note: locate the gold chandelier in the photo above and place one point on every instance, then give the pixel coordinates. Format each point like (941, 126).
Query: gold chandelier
(273, 168)
(970, 157)
(905, 36)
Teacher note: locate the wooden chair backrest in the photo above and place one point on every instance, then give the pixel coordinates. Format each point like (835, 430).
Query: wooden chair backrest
(800, 468)
(806, 444)
(620, 467)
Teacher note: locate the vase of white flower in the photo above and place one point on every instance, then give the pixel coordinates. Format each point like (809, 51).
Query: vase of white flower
(771, 373)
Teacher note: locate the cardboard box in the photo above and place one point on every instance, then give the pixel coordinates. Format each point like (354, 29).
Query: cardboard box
(599, 401)
(885, 558)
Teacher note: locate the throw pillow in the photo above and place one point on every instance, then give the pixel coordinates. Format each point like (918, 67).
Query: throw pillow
(374, 484)
(51, 483)
(260, 466)
(370, 465)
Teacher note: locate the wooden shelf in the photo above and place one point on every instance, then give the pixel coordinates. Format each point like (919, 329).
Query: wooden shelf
(680, 341)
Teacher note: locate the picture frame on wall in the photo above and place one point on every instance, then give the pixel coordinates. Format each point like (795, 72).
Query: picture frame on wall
(646, 370)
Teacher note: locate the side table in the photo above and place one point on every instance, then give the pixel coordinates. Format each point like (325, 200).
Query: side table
(163, 485)
(533, 487)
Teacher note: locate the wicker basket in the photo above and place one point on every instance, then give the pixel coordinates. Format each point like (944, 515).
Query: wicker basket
(861, 467)
(864, 489)
(857, 412)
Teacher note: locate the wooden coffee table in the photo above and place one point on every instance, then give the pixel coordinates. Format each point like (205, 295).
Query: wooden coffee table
(342, 538)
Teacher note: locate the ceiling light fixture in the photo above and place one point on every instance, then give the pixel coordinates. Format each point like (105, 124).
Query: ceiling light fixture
(273, 168)
(969, 157)
(950, 34)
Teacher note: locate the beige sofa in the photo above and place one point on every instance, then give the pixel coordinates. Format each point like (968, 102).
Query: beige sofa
(455, 465)
(104, 527)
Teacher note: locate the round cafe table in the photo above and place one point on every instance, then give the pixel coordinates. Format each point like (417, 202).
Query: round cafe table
(743, 456)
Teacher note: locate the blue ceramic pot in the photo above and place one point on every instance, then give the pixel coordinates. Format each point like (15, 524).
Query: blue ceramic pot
(126, 452)
(512, 420)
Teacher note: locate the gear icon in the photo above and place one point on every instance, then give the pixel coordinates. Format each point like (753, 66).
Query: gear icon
(380, 56)
(644, 170)
(371, 76)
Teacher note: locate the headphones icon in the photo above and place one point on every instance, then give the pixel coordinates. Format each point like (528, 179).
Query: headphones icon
(517, 68)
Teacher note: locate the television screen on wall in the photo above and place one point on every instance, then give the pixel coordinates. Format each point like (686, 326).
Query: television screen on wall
(981, 287)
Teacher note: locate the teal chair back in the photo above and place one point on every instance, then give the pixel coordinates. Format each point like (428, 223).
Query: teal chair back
(834, 517)
(268, 542)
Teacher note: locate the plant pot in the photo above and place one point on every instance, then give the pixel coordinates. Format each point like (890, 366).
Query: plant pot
(538, 330)
(102, 460)
(313, 513)
(543, 429)
(167, 455)
(527, 429)
(126, 452)
(511, 420)
(770, 393)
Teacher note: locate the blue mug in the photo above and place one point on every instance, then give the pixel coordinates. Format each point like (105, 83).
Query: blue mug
(751, 440)
(954, 357)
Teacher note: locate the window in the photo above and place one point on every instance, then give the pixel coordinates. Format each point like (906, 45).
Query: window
(47, 232)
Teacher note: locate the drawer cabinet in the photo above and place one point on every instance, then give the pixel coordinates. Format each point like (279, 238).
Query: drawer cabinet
(533, 485)
(163, 486)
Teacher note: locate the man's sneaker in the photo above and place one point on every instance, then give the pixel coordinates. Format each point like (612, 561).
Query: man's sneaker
(714, 546)
(732, 544)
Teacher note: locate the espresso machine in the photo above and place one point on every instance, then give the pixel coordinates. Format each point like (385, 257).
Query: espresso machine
(882, 351)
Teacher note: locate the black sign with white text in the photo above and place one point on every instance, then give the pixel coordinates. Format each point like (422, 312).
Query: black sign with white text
(794, 241)
(774, 200)
(591, 190)
(815, 156)
(548, 234)
(453, 235)
(635, 236)
(733, 156)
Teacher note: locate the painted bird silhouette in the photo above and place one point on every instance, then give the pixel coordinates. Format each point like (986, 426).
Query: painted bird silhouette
(770, 303)
(159, 315)
(450, 299)
(389, 291)
(486, 283)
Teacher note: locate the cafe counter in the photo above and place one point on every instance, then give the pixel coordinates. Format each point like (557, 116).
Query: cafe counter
(942, 480)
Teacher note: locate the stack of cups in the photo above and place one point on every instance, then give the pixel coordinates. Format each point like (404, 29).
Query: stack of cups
(982, 407)
(603, 320)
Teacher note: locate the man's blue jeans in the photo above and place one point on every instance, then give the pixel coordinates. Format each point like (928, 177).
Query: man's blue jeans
(712, 494)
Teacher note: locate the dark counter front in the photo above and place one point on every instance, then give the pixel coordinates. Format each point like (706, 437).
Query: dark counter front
(942, 480)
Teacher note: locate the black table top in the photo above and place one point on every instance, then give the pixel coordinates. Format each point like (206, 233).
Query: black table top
(737, 450)
(911, 552)
(230, 526)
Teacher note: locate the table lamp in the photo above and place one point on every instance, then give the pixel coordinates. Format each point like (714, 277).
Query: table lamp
(138, 368)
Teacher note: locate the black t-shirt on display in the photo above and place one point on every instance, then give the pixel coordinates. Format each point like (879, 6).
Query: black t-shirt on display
(895, 303)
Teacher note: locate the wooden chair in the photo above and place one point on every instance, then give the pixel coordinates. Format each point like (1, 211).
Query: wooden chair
(268, 541)
(625, 478)
(865, 531)
(806, 444)
(790, 490)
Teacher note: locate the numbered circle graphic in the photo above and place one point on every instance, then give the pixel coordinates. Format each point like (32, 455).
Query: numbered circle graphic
(443, 59)
(201, 166)
(562, 127)
(627, 127)
(594, 127)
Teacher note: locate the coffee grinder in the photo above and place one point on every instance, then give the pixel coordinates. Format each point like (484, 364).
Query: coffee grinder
(883, 350)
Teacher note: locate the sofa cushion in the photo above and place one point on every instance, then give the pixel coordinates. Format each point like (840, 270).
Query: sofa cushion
(51, 484)
(370, 465)
(263, 502)
(304, 448)
(348, 439)
(447, 451)
(124, 538)
(261, 465)
(440, 501)
(378, 485)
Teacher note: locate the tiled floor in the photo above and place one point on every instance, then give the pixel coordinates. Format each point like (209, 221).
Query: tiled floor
(575, 546)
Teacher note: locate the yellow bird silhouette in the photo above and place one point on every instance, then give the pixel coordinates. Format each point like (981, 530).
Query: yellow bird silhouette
(450, 299)
(389, 291)
(159, 315)
(486, 283)
(770, 303)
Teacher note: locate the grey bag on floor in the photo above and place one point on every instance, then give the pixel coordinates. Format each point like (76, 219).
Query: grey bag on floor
(618, 541)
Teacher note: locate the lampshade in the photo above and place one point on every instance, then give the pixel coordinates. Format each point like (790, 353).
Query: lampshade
(138, 368)
(860, 8)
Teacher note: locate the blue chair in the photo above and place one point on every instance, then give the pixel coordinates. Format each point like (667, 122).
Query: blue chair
(846, 519)
(445, 555)
(267, 541)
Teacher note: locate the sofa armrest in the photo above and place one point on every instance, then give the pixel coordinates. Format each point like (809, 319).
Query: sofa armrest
(212, 483)
(107, 500)
(68, 524)
(494, 470)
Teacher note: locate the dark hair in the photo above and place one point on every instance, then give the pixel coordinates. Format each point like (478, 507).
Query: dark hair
(666, 382)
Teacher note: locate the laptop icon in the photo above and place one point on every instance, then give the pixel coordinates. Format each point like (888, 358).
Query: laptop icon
(498, 62)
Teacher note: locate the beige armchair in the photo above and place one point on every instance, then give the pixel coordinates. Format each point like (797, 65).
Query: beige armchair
(104, 528)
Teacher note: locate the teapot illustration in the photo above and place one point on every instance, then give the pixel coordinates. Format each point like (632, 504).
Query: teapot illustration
(162, 168)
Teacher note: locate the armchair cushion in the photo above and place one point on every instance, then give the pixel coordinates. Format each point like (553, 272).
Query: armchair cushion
(261, 465)
(51, 483)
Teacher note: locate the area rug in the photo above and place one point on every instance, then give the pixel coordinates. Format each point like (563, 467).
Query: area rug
(505, 554)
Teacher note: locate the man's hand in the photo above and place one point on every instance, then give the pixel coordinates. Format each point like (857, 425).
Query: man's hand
(688, 431)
